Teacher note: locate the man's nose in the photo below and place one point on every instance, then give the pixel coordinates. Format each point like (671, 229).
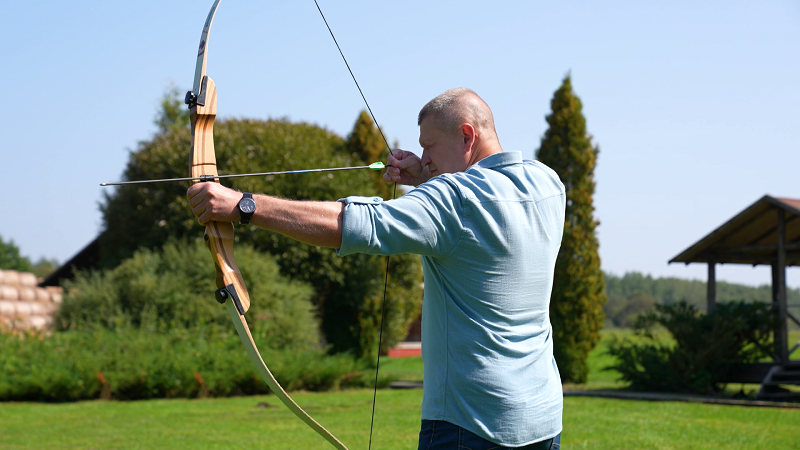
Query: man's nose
(425, 159)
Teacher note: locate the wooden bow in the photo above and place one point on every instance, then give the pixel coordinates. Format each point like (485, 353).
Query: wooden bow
(202, 101)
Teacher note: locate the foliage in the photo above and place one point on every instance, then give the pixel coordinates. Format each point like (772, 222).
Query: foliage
(403, 295)
(10, 257)
(173, 114)
(622, 311)
(578, 288)
(348, 291)
(129, 363)
(261, 422)
(704, 347)
(44, 267)
(626, 292)
(172, 287)
(365, 143)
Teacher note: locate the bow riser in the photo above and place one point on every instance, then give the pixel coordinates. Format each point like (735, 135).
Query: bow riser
(219, 235)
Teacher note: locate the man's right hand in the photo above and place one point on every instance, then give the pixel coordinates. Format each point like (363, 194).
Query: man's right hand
(406, 168)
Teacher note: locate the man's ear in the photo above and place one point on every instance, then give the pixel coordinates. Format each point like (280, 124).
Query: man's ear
(468, 136)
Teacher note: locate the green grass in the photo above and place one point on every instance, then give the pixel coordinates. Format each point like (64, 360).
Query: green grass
(240, 422)
(403, 369)
(594, 423)
(224, 423)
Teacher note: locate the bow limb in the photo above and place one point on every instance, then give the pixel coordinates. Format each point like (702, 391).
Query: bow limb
(219, 236)
(247, 339)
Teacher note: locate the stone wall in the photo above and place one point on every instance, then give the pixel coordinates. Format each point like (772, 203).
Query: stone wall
(23, 305)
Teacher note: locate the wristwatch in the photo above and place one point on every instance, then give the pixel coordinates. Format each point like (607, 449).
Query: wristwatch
(247, 206)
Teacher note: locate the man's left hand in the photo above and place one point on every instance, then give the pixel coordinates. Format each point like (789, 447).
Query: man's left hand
(214, 202)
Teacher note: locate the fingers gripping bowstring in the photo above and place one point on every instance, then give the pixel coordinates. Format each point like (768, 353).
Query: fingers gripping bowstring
(394, 194)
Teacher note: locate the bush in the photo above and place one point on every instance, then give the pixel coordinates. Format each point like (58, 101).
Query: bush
(174, 287)
(705, 347)
(129, 363)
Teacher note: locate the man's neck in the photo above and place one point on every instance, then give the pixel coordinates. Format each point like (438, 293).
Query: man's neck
(484, 151)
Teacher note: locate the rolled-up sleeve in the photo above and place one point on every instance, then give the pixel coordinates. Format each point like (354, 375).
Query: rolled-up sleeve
(358, 225)
(414, 223)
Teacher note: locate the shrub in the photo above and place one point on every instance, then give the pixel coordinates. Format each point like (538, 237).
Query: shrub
(705, 347)
(174, 287)
(127, 363)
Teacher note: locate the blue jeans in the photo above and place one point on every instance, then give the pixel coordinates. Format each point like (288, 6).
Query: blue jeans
(441, 435)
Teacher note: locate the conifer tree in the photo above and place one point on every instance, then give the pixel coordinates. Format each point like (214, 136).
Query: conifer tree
(576, 306)
(366, 143)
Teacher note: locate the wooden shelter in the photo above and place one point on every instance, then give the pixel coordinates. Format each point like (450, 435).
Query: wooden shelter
(767, 233)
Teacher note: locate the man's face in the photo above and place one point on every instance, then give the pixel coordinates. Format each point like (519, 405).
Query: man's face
(442, 152)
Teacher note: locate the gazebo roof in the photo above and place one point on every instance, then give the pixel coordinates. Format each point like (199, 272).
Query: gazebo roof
(750, 237)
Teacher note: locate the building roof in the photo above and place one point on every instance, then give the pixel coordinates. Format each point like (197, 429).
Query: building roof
(85, 259)
(750, 237)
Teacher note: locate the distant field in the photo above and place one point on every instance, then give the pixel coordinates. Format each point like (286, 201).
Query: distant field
(263, 423)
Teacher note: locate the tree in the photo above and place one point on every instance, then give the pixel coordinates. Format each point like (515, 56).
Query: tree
(576, 307)
(365, 142)
(622, 311)
(11, 259)
(173, 114)
(348, 291)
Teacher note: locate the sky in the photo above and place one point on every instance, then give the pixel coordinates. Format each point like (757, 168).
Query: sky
(694, 105)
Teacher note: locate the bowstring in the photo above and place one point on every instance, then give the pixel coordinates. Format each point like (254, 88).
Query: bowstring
(394, 195)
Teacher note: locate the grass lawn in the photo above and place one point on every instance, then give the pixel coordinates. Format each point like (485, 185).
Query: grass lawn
(263, 423)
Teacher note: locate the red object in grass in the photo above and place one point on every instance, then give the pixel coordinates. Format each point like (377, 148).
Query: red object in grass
(405, 349)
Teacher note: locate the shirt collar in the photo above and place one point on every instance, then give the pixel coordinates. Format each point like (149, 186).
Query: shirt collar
(500, 159)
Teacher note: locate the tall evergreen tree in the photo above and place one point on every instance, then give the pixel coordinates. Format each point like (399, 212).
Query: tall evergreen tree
(366, 143)
(576, 307)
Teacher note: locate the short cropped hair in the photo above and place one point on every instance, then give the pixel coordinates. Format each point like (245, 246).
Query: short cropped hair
(457, 106)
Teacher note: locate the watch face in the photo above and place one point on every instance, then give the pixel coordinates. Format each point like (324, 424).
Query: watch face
(247, 205)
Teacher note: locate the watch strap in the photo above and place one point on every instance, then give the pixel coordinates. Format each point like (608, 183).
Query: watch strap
(245, 216)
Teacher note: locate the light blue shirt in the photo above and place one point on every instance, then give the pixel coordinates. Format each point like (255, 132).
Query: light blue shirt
(488, 237)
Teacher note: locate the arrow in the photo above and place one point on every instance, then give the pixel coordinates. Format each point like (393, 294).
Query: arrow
(374, 166)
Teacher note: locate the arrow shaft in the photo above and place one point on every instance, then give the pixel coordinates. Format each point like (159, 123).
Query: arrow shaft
(373, 166)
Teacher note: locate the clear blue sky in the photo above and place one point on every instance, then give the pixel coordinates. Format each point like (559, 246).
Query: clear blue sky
(694, 104)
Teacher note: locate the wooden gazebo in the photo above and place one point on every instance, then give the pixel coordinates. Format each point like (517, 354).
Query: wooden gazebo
(766, 232)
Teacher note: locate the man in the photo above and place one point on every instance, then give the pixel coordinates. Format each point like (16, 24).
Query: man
(488, 226)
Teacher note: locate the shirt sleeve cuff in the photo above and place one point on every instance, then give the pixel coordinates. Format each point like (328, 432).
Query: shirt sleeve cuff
(357, 224)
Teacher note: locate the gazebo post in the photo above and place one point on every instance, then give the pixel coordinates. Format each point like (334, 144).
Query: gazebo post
(781, 335)
(711, 286)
